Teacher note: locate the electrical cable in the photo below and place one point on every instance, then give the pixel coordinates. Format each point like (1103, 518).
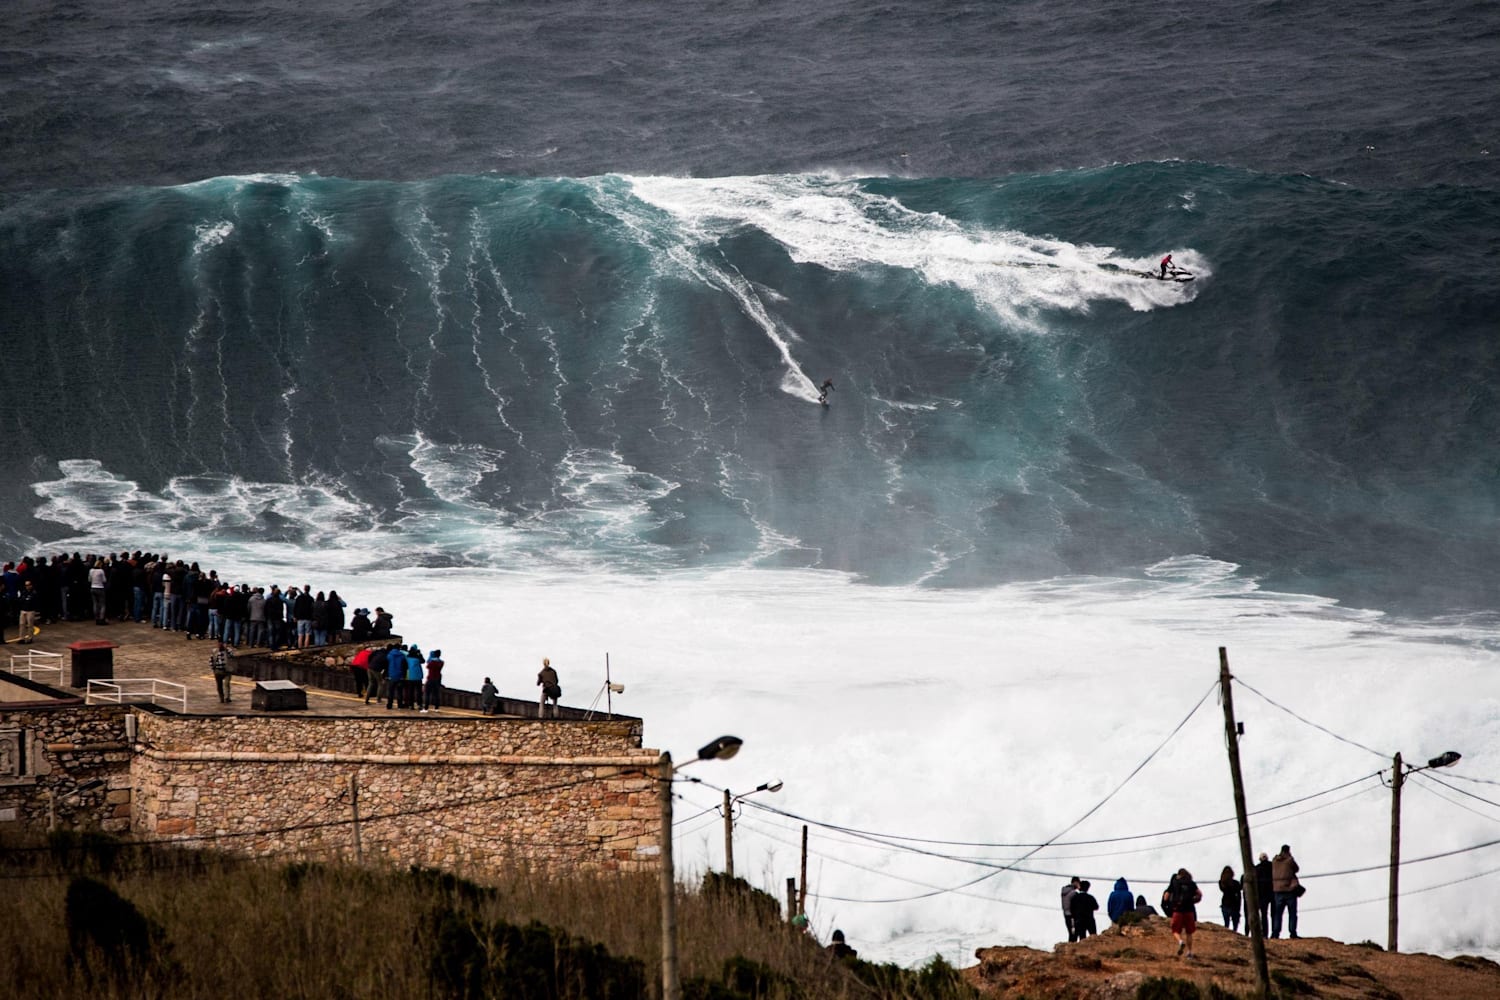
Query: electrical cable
(1323, 729)
(1477, 781)
(1061, 843)
(1093, 809)
(1423, 773)
(1405, 861)
(899, 878)
(1400, 895)
(890, 847)
(1454, 802)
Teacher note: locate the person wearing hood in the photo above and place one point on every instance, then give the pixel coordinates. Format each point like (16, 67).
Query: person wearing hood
(432, 694)
(1120, 902)
(395, 675)
(414, 663)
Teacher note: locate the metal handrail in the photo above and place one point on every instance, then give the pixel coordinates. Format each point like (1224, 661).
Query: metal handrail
(30, 666)
(136, 689)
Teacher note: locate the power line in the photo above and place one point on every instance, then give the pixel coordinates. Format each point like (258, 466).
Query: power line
(997, 869)
(875, 871)
(872, 841)
(1477, 781)
(1405, 861)
(1400, 895)
(1299, 718)
(893, 839)
(1438, 781)
(1454, 802)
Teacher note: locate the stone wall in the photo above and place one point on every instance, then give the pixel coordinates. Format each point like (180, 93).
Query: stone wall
(473, 796)
(67, 763)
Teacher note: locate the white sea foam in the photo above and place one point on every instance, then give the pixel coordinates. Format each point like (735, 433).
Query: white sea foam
(211, 234)
(835, 223)
(999, 715)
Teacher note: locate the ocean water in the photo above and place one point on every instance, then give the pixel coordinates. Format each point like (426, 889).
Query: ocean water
(510, 318)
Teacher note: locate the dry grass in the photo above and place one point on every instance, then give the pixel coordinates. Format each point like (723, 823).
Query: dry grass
(234, 928)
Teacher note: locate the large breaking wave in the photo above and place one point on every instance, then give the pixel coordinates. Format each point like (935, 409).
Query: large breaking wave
(619, 372)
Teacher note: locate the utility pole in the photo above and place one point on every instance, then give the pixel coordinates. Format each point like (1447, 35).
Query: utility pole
(671, 987)
(802, 892)
(1247, 858)
(1399, 773)
(359, 853)
(728, 836)
(1391, 920)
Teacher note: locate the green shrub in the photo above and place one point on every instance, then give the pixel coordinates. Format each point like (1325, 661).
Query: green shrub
(937, 980)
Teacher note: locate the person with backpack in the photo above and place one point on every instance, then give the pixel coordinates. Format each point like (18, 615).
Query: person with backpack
(1182, 896)
(1067, 906)
(1284, 888)
(1084, 905)
(547, 680)
(395, 674)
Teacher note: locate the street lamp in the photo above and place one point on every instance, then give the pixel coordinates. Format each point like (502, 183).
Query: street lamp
(1398, 778)
(770, 786)
(722, 748)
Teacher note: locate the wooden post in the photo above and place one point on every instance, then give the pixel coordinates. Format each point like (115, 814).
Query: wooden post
(791, 900)
(1391, 939)
(671, 988)
(728, 836)
(802, 892)
(359, 853)
(1247, 858)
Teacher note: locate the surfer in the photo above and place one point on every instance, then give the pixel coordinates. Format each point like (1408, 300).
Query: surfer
(824, 390)
(1166, 264)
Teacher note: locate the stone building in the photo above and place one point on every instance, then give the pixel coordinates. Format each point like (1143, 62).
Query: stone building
(470, 794)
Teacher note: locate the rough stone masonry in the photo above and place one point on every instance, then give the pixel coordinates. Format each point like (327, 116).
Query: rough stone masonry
(472, 795)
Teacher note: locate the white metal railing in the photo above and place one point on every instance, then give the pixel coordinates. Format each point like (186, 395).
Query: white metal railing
(135, 689)
(28, 663)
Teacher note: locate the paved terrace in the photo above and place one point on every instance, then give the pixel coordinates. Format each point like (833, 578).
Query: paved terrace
(146, 652)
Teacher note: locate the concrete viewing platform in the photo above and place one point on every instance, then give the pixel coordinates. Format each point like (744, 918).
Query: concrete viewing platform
(144, 652)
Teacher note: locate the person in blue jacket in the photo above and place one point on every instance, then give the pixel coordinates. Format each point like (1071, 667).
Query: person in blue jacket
(1120, 902)
(395, 673)
(414, 663)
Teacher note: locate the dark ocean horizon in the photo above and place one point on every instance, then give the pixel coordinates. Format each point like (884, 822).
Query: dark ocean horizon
(1374, 93)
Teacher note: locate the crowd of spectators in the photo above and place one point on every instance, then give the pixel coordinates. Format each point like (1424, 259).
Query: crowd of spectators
(178, 596)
